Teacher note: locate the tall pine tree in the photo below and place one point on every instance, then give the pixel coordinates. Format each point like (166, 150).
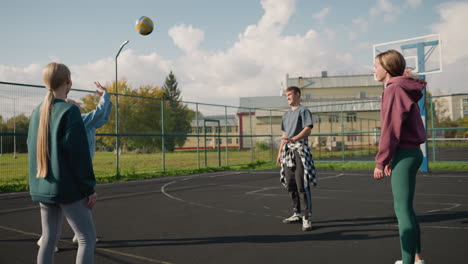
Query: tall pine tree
(178, 125)
(171, 91)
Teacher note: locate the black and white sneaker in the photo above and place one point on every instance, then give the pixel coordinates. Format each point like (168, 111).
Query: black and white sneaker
(295, 218)
(306, 225)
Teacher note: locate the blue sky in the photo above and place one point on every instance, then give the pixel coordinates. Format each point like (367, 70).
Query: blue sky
(222, 50)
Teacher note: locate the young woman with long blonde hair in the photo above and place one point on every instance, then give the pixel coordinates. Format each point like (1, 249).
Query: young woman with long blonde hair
(61, 176)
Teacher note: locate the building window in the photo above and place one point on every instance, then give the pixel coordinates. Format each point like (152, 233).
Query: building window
(465, 100)
(219, 141)
(351, 117)
(362, 94)
(229, 129)
(237, 141)
(218, 129)
(333, 119)
(229, 140)
(316, 119)
(208, 130)
(352, 138)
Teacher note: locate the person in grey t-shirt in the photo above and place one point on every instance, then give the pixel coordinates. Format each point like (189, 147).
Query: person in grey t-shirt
(292, 155)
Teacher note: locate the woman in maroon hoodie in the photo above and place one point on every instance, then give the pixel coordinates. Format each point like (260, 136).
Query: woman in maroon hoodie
(399, 148)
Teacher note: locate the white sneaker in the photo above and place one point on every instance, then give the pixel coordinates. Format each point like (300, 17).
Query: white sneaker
(75, 239)
(293, 219)
(39, 243)
(306, 225)
(415, 262)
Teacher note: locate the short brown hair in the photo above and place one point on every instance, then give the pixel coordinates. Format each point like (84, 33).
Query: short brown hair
(294, 88)
(393, 62)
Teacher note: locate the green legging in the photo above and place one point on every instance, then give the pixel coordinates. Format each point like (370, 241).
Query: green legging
(405, 165)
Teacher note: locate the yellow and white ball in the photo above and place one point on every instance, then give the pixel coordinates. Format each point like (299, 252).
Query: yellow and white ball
(144, 25)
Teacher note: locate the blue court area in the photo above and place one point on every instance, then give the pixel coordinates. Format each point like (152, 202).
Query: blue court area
(236, 217)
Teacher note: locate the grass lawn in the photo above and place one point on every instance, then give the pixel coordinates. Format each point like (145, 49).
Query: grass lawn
(14, 172)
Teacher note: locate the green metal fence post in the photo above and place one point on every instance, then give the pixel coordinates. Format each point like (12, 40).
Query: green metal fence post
(433, 131)
(226, 133)
(251, 138)
(204, 144)
(198, 136)
(342, 135)
(163, 143)
(218, 139)
(272, 157)
(117, 141)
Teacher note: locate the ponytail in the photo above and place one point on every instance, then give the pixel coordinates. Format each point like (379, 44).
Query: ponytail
(43, 136)
(54, 75)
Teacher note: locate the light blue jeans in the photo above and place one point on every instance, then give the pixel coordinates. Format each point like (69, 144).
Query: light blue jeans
(81, 221)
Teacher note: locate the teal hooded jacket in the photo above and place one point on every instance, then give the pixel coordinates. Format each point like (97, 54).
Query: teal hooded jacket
(70, 175)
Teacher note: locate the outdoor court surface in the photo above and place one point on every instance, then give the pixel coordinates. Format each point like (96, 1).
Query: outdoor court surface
(235, 217)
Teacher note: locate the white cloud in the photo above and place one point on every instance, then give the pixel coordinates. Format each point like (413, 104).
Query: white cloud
(330, 33)
(361, 23)
(137, 69)
(352, 35)
(414, 3)
(259, 60)
(454, 49)
(320, 16)
(386, 10)
(31, 74)
(454, 40)
(363, 46)
(186, 38)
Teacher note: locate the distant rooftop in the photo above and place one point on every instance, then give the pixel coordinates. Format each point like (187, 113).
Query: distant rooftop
(266, 102)
(333, 81)
(229, 120)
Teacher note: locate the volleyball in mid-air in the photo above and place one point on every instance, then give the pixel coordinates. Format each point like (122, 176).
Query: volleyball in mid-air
(144, 25)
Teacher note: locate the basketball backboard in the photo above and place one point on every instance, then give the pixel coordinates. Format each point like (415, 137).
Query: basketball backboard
(423, 54)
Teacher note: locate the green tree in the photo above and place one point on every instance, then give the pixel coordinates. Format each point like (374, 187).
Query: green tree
(171, 90)
(178, 124)
(139, 115)
(19, 124)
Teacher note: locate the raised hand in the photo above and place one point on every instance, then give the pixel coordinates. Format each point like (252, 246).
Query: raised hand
(100, 89)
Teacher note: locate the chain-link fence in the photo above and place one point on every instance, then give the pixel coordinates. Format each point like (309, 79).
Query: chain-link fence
(153, 135)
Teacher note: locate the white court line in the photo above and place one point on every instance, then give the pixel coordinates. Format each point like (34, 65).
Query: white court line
(226, 174)
(24, 193)
(443, 176)
(330, 177)
(19, 209)
(256, 192)
(181, 178)
(98, 248)
(99, 199)
(432, 227)
(444, 209)
(163, 190)
(450, 207)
